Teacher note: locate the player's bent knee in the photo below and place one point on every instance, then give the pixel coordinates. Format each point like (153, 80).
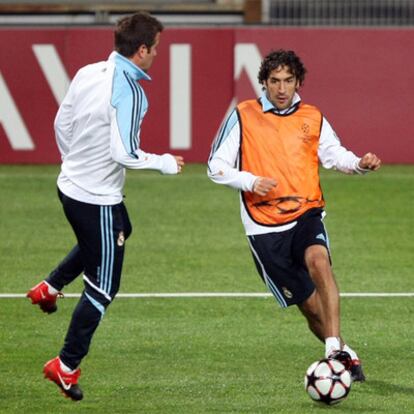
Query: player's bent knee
(98, 296)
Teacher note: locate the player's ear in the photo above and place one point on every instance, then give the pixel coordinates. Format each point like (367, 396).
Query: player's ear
(142, 51)
(139, 54)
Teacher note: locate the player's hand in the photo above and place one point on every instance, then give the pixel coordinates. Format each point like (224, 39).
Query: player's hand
(180, 162)
(263, 185)
(369, 162)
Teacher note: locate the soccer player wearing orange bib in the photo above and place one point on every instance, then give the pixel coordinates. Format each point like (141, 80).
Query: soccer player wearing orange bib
(270, 149)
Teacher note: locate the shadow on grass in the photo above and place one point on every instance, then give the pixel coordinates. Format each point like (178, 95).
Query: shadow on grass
(347, 406)
(380, 386)
(374, 387)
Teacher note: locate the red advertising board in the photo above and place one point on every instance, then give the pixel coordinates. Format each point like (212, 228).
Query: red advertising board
(359, 78)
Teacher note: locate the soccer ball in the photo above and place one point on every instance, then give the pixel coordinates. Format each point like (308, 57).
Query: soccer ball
(327, 381)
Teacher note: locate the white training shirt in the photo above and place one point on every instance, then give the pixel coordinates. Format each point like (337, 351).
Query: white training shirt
(97, 130)
(224, 160)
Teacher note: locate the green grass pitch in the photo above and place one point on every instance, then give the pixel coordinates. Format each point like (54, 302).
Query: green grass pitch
(207, 355)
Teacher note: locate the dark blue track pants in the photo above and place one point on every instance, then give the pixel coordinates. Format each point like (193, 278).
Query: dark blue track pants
(101, 232)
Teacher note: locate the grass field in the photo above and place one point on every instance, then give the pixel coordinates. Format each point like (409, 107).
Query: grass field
(207, 355)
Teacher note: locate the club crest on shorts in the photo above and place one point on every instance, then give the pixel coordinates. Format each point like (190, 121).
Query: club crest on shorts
(121, 239)
(288, 294)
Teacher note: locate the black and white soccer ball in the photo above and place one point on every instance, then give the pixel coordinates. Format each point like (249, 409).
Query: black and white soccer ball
(328, 381)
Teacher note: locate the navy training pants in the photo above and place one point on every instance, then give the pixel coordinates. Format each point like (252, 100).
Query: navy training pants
(101, 232)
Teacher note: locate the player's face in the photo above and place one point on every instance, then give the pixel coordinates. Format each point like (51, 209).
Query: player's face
(281, 86)
(149, 54)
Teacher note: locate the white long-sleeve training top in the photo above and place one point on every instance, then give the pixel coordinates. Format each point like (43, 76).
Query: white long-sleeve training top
(224, 160)
(97, 130)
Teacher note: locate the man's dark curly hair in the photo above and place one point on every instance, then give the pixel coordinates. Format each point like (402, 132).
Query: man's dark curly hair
(134, 31)
(278, 58)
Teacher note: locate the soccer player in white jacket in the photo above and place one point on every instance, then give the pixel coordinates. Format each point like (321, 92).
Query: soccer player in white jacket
(98, 134)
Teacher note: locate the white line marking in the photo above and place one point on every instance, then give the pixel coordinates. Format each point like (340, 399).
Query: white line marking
(222, 295)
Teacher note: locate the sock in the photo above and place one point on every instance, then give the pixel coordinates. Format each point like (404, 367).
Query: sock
(350, 352)
(332, 343)
(51, 289)
(65, 368)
